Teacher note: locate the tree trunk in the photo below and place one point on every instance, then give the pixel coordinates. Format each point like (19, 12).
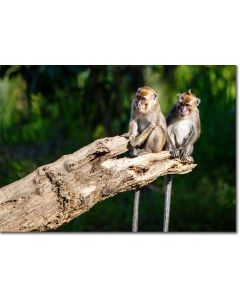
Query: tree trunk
(58, 192)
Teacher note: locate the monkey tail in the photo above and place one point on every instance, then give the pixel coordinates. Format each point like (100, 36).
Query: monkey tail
(168, 192)
(135, 211)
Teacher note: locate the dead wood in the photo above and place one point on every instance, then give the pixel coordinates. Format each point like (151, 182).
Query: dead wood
(58, 192)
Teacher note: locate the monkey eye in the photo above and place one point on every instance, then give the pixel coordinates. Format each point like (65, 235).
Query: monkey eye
(138, 97)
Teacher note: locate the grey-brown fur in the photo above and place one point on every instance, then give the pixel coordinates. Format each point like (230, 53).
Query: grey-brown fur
(183, 131)
(183, 126)
(147, 132)
(148, 126)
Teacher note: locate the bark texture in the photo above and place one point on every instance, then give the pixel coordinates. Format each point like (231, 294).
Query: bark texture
(58, 192)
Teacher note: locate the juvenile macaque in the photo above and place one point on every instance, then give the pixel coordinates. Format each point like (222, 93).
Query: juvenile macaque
(147, 131)
(184, 129)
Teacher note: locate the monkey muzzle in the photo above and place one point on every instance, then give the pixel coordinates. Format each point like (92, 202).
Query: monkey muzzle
(141, 106)
(184, 111)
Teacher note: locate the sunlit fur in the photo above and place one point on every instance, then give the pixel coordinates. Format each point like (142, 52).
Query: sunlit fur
(145, 99)
(146, 111)
(184, 123)
(186, 103)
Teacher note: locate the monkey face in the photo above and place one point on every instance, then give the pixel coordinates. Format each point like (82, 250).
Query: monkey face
(145, 99)
(184, 109)
(187, 102)
(141, 104)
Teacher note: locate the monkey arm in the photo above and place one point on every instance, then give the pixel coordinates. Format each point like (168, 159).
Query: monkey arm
(138, 141)
(173, 150)
(133, 129)
(198, 128)
(169, 142)
(171, 146)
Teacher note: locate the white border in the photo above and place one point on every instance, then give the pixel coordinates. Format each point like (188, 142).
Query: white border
(118, 266)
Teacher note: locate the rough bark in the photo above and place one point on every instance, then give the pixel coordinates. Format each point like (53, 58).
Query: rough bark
(58, 192)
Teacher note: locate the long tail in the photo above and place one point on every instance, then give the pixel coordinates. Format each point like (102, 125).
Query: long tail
(135, 211)
(167, 204)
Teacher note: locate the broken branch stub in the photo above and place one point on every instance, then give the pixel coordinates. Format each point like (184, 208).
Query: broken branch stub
(58, 192)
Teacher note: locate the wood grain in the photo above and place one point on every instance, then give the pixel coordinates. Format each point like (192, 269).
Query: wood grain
(56, 193)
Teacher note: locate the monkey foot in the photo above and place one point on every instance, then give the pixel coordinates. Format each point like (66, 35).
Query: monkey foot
(133, 152)
(187, 160)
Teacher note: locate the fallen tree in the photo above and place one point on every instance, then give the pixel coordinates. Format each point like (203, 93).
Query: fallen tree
(58, 192)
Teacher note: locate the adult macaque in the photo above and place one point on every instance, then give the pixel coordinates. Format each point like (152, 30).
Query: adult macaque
(147, 131)
(184, 129)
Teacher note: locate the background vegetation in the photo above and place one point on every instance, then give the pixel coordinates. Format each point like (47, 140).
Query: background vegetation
(48, 111)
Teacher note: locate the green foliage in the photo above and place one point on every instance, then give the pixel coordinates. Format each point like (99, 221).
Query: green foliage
(48, 111)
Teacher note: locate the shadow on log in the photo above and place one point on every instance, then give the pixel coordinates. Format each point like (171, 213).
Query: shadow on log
(58, 192)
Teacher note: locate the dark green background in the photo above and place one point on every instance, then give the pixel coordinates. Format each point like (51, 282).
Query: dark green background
(48, 111)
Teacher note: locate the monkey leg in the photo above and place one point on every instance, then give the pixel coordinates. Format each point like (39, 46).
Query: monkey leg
(190, 150)
(156, 140)
(170, 146)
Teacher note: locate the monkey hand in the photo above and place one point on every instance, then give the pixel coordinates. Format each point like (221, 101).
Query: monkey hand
(133, 142)
(174, 153)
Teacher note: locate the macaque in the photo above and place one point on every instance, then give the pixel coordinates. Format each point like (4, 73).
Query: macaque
(184, 125)
(147, 128)
(184, 129)
(147, 131)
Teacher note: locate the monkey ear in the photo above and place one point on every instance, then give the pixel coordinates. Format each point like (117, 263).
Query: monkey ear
(189, 91)
(179, 97)
(198, 101)
(155, 96)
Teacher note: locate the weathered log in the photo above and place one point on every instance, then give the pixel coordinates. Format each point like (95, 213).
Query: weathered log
(58, 192)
